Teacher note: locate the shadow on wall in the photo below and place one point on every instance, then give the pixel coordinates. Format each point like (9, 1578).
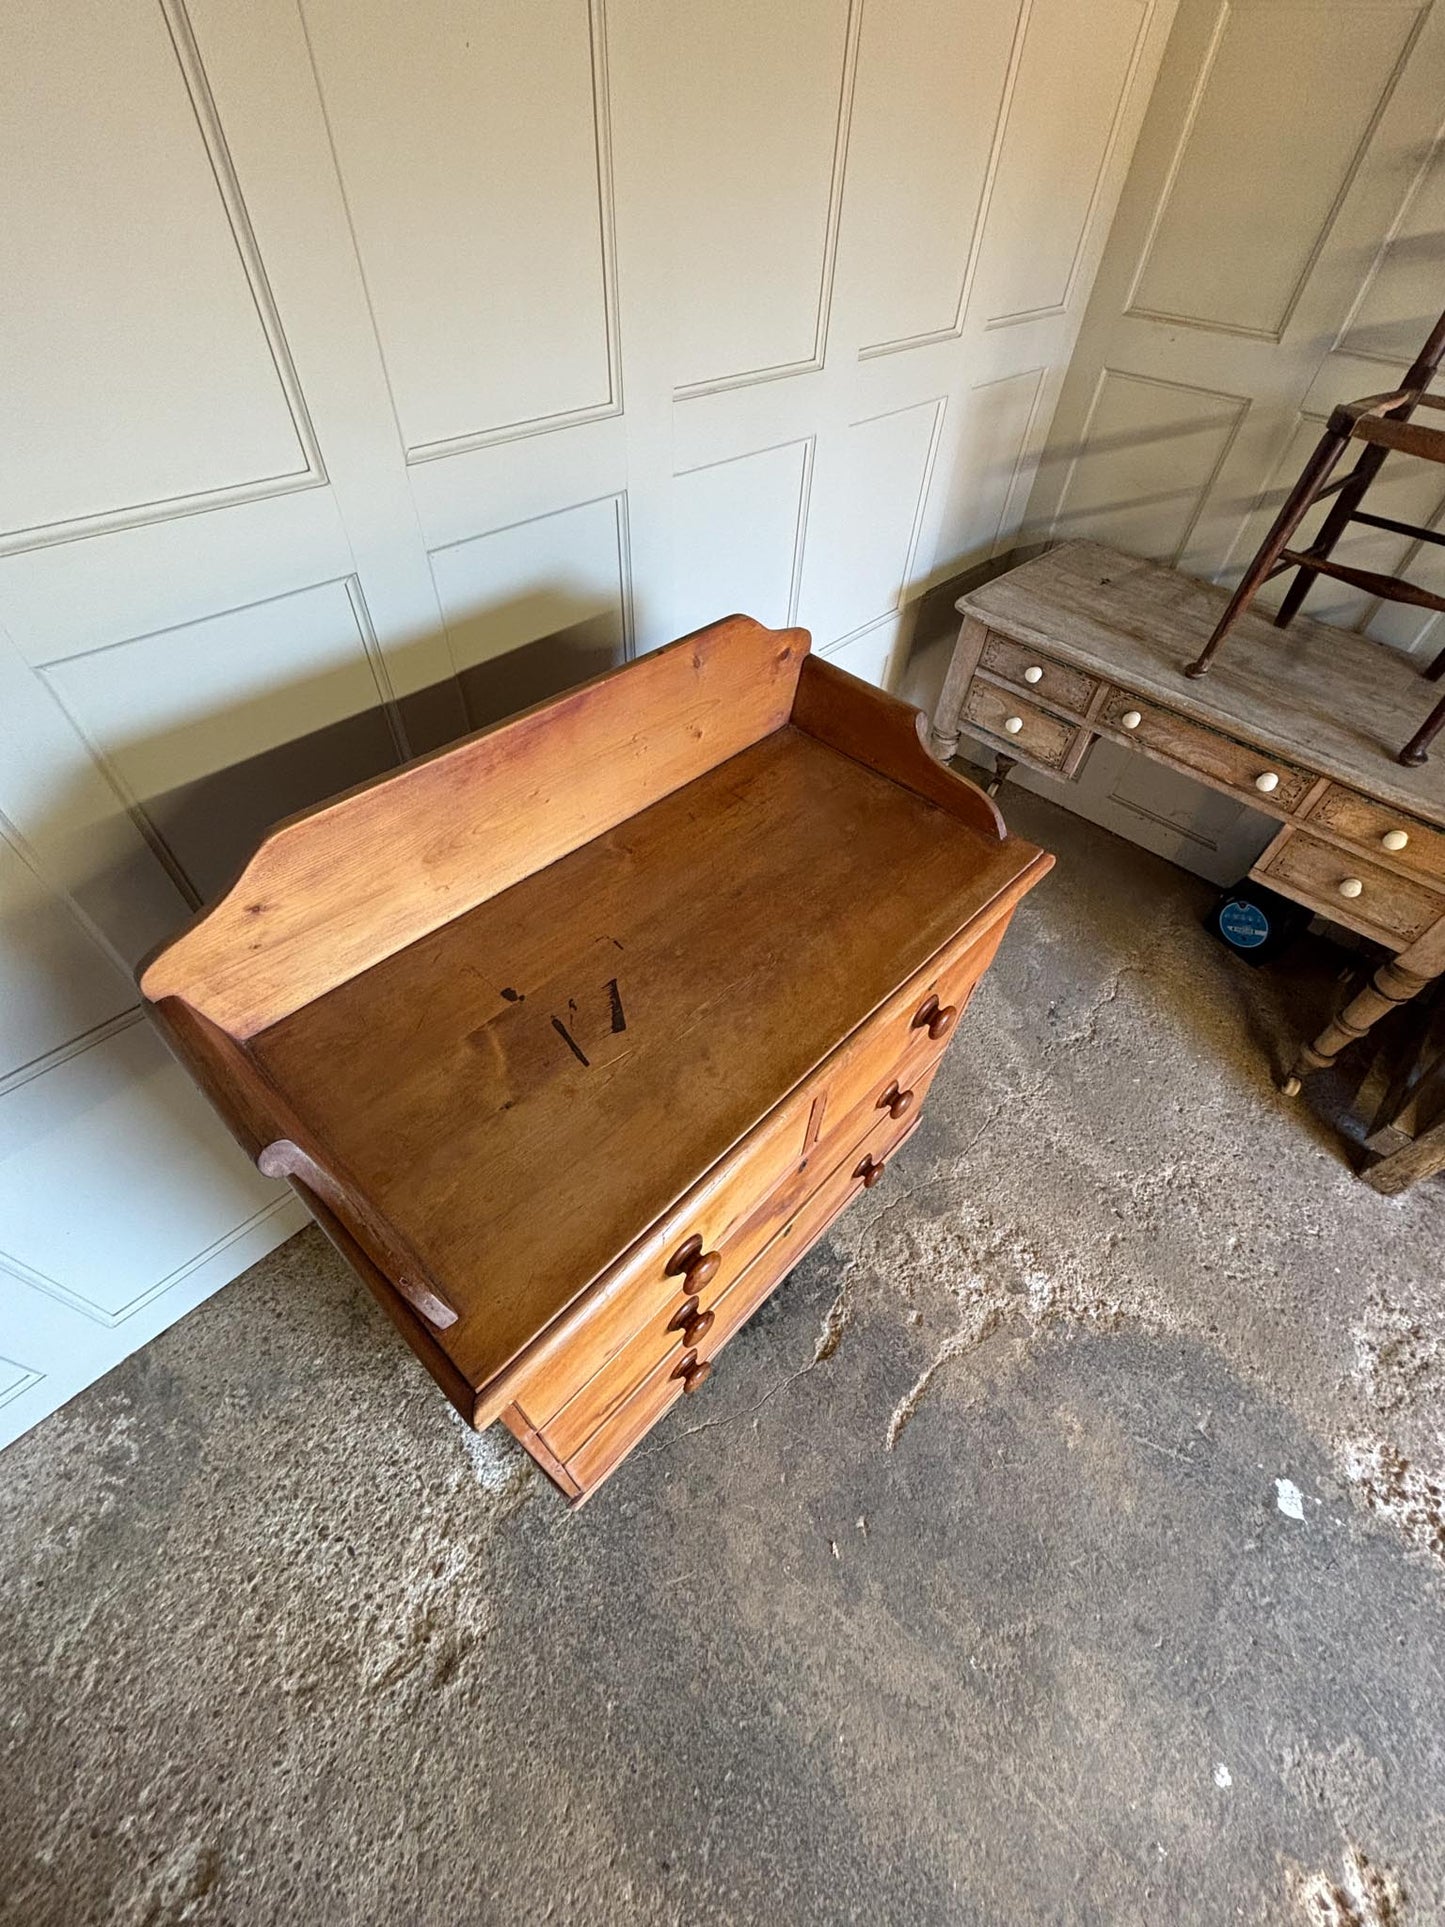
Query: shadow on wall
(200, 816)
(206, 828)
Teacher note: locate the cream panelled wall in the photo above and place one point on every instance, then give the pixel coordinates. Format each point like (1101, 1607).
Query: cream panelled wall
(372, 371)
(1279, 247)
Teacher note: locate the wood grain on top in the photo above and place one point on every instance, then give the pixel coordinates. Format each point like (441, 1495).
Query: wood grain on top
(522, 1090)
(1332, 700)
(335, 890)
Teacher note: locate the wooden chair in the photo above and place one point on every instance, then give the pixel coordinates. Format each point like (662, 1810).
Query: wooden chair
(1402, 1099)
(1383, 423)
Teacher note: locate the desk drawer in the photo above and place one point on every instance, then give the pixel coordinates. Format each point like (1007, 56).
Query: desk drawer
(1050, 682)
(802, 1226)
(1203, 752)
(610, 1443)
(1018, 725)
(1314, 872)
(1369, 824)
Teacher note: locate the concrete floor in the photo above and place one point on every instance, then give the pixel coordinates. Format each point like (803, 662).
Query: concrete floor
(968, 1591)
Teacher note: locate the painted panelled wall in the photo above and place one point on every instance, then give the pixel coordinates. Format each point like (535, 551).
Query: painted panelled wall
(1279, 247)
(373, 371)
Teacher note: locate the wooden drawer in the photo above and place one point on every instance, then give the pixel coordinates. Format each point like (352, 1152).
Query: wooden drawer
(630, 1297)
(1204, 752)
(787, 1224)
(1369, 824)
(567, 1428)
(1050, 682)
(1037, 735)
(610, 1443)
(1312, 872)
(612, 1387)
(897, 1048)
(800, 1229)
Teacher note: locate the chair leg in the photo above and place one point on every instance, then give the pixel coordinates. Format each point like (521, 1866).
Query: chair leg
(1416, 751)
(1316, 472)
(1331, 529)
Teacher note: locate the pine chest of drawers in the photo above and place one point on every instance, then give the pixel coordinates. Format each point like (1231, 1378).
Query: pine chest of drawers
(575, 1036)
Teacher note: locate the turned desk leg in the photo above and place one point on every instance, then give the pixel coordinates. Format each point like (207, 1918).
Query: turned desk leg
(944, 734)
(943, 745)
(1391, 984)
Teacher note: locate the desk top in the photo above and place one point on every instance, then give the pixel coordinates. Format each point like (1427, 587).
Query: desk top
(1324, 697)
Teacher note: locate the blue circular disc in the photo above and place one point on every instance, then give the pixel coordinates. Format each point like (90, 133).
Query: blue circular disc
(1243, 924)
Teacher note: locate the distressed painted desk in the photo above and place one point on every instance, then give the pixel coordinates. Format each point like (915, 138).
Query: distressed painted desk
(1087, 642)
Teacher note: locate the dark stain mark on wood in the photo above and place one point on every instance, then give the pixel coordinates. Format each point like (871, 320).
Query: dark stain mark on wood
(512, 996)
(570, 1041)
(619, 1016)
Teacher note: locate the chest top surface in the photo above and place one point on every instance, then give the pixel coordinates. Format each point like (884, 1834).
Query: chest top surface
(1329, 698)
(524, 1090)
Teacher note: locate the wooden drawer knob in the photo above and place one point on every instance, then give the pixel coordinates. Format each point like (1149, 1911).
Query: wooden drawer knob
(697, 1267)
(697, 1329)
(897, 1103)
(936, 1018)
(1394, 839)
(1266, 782)
(692, 1323)
(1033, 673)
(870, 1170)
(693, 1371)
(1013, 724)
(1350, 886)
(1131, 719)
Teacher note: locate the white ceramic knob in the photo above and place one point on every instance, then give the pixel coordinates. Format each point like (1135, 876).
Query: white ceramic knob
(1013, 724)
(1266, 782)
(1131, 719)
(1351, 887)
(1033, 674)
(1394, 839)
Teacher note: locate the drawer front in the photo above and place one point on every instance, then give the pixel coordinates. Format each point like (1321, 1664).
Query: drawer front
(1034, 674)
(641, 1288)
(800, 1229)
(667, 1335)
(898, 1047)
(1313, 872)
(610, 1443)
(1037, 735)
(1206, 753)
(1377, 827)
(790, 1222)
(610, 1388)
